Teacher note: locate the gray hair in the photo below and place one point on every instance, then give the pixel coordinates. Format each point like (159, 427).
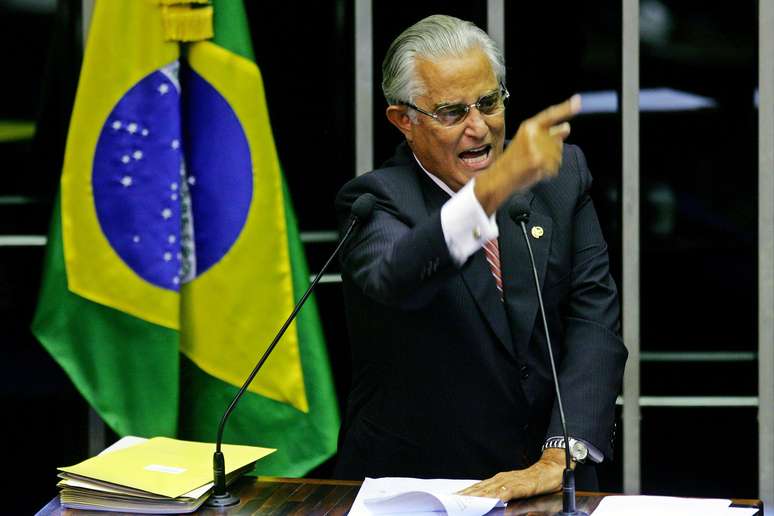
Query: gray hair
(434, 37)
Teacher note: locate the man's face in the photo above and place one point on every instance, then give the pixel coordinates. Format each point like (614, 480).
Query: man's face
(458, 153)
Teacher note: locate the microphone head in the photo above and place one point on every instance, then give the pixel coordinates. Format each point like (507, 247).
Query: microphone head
(363, 206)
(519, 210)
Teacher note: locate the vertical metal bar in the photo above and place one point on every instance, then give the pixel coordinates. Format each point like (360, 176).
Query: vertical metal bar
(87, 8)
(766, 254)
(630, 93)
(495, 22)
(96, 433)
(364, 87)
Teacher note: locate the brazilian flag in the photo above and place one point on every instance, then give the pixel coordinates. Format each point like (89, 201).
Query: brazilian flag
(174, 254)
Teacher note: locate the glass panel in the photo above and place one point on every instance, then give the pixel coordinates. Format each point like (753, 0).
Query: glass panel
(685, 452)
(699, 164)
(44, 64)
(699, 182)
(306, 59)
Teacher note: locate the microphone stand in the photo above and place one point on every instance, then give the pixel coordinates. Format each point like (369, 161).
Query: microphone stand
(220, 495)
(568, 477)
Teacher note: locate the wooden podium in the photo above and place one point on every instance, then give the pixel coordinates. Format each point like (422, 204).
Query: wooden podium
(303, 496)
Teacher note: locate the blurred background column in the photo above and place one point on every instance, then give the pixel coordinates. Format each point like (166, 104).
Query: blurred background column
(364, 87)
(766, 253)
(495, 21)
(630, 93)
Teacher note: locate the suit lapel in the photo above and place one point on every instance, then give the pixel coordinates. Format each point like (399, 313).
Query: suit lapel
(520, 297)
(475, 272)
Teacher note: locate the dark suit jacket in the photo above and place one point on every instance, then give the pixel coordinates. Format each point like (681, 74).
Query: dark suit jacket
(448, 381)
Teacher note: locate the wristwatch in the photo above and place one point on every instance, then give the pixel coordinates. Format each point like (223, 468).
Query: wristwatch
(578, 449)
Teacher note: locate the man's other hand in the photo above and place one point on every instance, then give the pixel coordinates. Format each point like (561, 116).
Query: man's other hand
(545, 476)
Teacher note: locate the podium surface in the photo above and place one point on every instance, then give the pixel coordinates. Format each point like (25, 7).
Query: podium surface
(304, 496)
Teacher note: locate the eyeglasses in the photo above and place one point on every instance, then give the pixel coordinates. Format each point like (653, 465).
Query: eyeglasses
(453, 114)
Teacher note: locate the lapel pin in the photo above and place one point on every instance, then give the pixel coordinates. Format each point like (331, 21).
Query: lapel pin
(537, 232)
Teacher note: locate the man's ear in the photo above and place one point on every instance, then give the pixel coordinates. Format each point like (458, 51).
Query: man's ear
(398, 116)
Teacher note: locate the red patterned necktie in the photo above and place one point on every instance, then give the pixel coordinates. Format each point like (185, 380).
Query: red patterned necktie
(492, 251)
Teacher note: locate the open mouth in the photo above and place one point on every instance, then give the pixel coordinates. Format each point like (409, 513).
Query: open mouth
(476, 156)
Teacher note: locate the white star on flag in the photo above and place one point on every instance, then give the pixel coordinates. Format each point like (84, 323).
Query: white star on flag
(126, 180)
(166, 213)
(164, 88)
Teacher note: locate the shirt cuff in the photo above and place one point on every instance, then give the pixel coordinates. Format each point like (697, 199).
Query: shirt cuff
(466, 227)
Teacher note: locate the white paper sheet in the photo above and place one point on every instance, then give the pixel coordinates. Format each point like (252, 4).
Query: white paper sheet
(415, 496)
(668, 506)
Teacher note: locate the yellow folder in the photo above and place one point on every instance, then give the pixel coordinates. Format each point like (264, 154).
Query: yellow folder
(164, 466)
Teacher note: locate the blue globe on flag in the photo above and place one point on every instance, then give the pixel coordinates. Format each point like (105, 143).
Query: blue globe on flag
(170, 203)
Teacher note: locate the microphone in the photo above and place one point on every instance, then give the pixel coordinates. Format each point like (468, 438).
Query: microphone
(361, 211)
(362, 208)
(519, 212)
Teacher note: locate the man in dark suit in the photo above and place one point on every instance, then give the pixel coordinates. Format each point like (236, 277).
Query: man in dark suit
(451, 375)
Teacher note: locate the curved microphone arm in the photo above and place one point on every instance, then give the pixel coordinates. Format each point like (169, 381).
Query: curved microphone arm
(361, 210)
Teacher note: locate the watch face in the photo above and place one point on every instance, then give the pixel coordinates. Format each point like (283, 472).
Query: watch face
(579, 451)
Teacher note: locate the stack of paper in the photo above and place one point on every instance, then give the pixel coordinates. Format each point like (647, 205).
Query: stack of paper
(158, 475)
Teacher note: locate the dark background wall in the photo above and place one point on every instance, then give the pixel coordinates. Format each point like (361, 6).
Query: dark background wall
(699, 196)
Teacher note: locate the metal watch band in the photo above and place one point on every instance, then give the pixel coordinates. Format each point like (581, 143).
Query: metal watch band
(578, 450)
